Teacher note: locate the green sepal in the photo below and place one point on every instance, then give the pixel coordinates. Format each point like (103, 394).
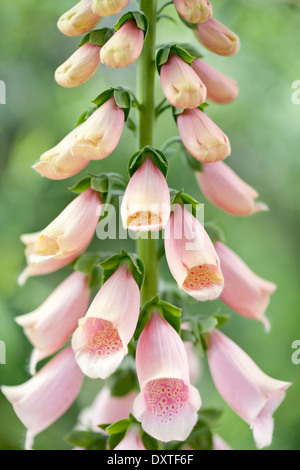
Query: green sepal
(119, 426)
(165, 51)
(105, 183)
(88, 440)
(115, 439)
(87, 264)
(98, 37)
(122, 382)
(201, 437)
(149, 442)
(203, 106)
(192, 162)
(187, 23)
(179, 197)
(134, 263)
(84, 116)
(81, 185)
(138, 16)
(122, 98)
(157, 156)
(214, 232)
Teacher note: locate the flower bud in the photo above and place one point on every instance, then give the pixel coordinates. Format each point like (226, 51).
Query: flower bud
(224, 188)
(131, 441)
(80, 67)
(244, 292)
(101, 339)
(59, 163)
(48, 395)
(99, 135)
(125, 47)
(109, 7)
(217, 38)
(78, 20)
(220, 89)
(220, 444)
(202, 138)
(248, 391)
(191, 256)
(50, 326)
(194, 11)
(180, 84)
(167, 405)
(146, 202)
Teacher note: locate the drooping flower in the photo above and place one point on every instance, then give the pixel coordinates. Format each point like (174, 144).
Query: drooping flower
(59, 163)
(167, 404)
(194, 11)
(217, 38)
(191, 256)
(220, 88)
(202, 138)
(146, 203)
(248, 391)
(180, 84)
(99, 135)
(244, 291)
(224, 188)
(80, 67)
(78, 20)
(125, 47)
(101, 339)
(131, 441)
(109, 7)
(50, 326)
(48, 395)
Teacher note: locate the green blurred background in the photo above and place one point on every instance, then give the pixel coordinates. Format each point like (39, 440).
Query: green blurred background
(263, 126)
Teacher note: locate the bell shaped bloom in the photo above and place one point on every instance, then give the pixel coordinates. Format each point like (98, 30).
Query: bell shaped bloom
(248, 391)
(220, 88)
(220, 444)
(202, 138)
(59, 163)
(78, 20)
(180, 84)
(106, 409)
(80, 67)
(194, 11)
(224, 188)
(132, 440)
(191, 256)
(50, 326)
(244, 292)
(109, 7)
(100, 342)
(99, 135)
(72, 231)
(217, 38)
(195, 366)
(125, 47)
(146, 203)
(39, 402)
(167, 405)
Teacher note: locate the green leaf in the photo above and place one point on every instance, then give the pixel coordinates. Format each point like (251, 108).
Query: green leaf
(85, 39)
(122, 382)
(136, 265)
(123, 100)
(149, 442)
(86, 262)
(158, 158)
(179, 197)
(119, 426)
(100, 36)
(171, 314)
(115, 439)
(84, 116)
(103, 97)
(95, 278)
(165, 51)
(201, 437)
(81, 186)
(88, 440)
(222, 319)
(139, 17)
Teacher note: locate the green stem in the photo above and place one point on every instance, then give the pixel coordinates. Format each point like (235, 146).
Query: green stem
(147, 248)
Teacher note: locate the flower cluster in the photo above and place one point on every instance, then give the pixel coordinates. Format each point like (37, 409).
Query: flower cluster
(129, 327)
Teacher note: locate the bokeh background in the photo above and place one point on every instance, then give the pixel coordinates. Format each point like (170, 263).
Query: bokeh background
(263, 126)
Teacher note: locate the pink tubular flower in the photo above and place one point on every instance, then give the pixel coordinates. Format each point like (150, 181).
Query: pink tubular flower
(194, 11)
(224, 188)
(180, 84)
(99, 135)
(58, 163)
(220, 444)
(78, 20)
(131, 441)
(80, 67)
(100, 342)
(244, 291)
(220, 88)
(191, 256)
(125, 47)
(51, 325)
(146, 203)
(109, 7)
(48, 395)
(217, 38)
(248, 391)
(202, 138)
(167, 405)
